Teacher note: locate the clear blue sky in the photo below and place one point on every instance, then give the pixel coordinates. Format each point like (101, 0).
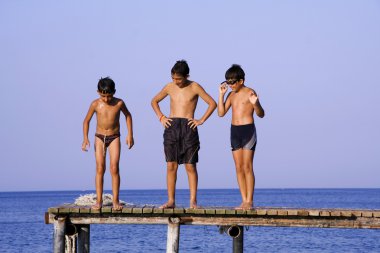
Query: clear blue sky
(314, 64)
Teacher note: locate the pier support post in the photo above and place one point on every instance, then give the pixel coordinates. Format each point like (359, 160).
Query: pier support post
(172, 244)
(59, 234)
(84, 238)
(237, 243)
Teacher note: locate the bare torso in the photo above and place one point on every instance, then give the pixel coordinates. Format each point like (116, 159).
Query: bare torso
(108, 116)
(242, 108)
(183, 100)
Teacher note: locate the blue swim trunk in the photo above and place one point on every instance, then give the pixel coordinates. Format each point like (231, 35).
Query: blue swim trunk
(243, 137)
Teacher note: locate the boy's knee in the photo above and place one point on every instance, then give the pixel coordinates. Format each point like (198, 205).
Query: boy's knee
(247, 168)
(114, 169)
(190, 168)
(239, 167)
(100, 169)
(172, 167)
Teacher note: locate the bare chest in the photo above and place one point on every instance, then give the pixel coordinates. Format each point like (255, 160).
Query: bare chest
(240, 101)
(184, 95)
(107, 111)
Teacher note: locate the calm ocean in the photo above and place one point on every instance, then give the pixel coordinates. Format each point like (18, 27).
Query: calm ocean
(22, 227)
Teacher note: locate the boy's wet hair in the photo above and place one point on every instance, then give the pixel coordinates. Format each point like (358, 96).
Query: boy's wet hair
(235, 72)
(106, 86)
(181, 68)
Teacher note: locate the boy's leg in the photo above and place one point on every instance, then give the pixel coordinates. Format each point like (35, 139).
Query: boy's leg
(171, 179)
(192, 176)
(114, 152)
(249, 176)
(100, 169)
(240, 175)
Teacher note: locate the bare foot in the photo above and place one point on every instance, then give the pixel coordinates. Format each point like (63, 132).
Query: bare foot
(247, 206)
(194, 205)
(97, 206)
(117, 206)
(241, 207)
(168, 205)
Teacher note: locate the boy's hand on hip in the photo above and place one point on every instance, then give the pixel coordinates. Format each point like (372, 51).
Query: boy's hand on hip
(166, 122)
(85, 145)
(193, 123)
(130, 142)
(223, 88)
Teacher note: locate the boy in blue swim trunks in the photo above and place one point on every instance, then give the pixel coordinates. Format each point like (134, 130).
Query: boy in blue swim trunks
(181, 140)
(244, 102)
(107, 109)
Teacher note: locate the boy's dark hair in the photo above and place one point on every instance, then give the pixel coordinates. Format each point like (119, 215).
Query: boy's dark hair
(235, 72)
(106, 85)
(181, 68)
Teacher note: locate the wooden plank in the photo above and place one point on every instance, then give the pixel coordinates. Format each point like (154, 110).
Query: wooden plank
(346, 213)
(325, 213)
(367, 213)
(169, 210)
(95, 211)
(127, 209)
(241, 211)
(53, 210)
(376, 214)
(148, 210)
(199, 211)
(230, 211)
(137, 210)
(272, 212)
(220, 211)
(314, 212)
(335, 213)
(292, 212)
(303, 213)
(84, 210)
(210, 211)
(357, 213)
(178, 210)
(282, 212)
(106, 209)
(158, 210)
(64, 210)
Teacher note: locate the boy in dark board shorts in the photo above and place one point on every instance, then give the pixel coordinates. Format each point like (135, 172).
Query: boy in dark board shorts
(181, 140)
(244, 102)
(107, 109)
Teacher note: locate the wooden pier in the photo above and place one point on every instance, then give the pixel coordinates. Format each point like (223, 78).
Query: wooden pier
(70, 220)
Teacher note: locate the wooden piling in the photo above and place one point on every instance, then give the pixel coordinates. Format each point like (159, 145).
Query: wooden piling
(172, 244)
(84, 238)
(238, 241)
(59, 234)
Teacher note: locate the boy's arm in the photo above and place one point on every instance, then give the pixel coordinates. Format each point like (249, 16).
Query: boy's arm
(223, 107)
(128, 117)
(211, 107)
(254, 99)
(86, 126)
(160, 96)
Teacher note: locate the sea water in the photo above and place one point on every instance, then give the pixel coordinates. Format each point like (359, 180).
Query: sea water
(22, 227)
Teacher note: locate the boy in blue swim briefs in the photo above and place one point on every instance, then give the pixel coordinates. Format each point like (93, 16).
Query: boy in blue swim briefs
(244, 102)
(181, 140)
